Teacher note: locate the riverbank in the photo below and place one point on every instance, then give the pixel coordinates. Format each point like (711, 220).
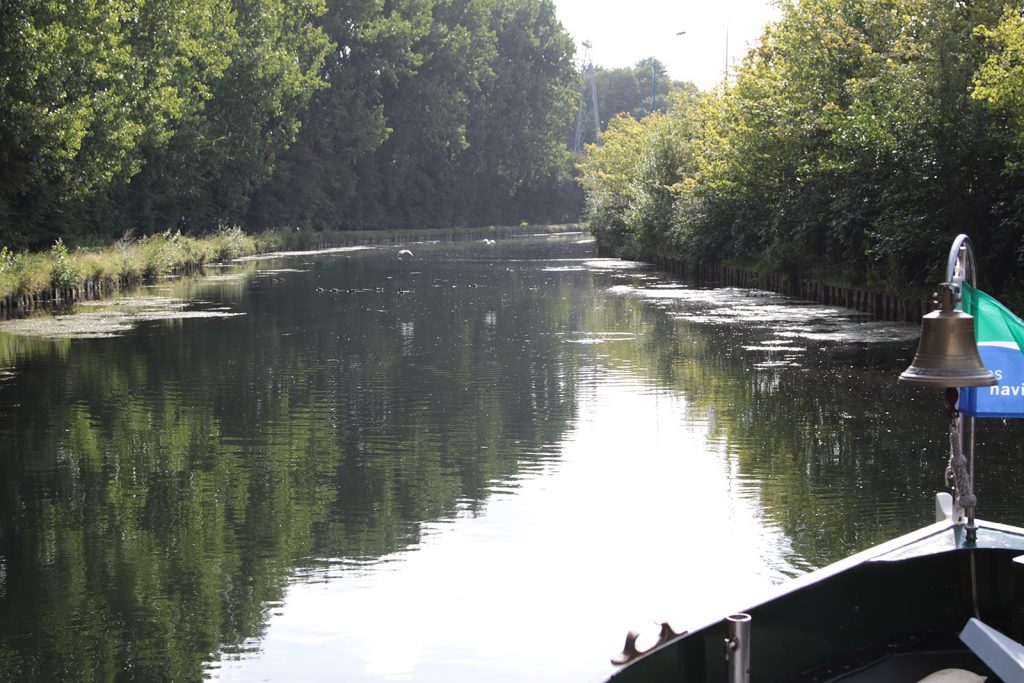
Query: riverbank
(30, 279)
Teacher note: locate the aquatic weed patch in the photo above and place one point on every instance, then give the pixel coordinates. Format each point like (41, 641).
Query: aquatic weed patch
(110, 318)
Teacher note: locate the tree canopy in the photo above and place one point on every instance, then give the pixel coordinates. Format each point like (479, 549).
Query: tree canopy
(854, 139)
(632, 90)
(130, 115)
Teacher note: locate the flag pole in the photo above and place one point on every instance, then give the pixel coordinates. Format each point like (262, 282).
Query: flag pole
(961, 267)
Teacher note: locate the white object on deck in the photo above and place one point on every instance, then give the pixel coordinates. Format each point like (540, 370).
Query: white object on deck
(943, 507)
(953, 676)
(1003, 655)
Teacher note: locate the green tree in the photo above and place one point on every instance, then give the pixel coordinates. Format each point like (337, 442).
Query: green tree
(607, 174)
(1000, 80)
(629, 90)
(225, 149)
(850, 144)
(315, 180)
(85, 87)
(515, 128)
(637, 179)
(439, 112)
(122, 114)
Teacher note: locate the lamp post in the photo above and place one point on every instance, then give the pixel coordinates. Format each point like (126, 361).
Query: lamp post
(654, 85)
(654, 79)
(725, 74)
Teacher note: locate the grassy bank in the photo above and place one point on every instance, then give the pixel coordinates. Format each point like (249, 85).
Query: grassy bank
(31, 277)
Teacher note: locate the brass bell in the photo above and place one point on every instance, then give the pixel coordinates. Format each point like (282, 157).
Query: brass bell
(947, 355)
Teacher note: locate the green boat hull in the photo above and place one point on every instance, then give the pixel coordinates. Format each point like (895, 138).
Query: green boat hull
(893, 612)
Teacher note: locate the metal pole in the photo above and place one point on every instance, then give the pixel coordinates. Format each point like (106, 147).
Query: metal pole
(961, 267)
(972, 530)
(654, 85)
(587, 114)
(737, 647)
(725, 76)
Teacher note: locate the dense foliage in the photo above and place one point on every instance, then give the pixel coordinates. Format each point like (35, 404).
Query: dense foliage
(634, 89)
(853, 144)
(131, 115)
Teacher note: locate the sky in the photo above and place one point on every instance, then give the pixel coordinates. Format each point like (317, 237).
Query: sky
(623, 33)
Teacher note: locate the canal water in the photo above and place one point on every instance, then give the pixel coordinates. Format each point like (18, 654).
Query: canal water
(471, 462)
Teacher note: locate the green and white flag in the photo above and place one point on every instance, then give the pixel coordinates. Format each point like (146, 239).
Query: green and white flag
(1000, 337)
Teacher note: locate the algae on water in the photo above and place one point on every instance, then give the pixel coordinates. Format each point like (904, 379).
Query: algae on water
(110, 318)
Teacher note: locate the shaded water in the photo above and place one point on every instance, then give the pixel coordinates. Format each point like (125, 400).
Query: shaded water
(481, 463)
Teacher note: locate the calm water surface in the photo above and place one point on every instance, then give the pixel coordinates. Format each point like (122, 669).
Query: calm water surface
(481, 463)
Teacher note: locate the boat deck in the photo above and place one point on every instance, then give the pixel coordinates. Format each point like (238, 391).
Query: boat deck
(895, 666)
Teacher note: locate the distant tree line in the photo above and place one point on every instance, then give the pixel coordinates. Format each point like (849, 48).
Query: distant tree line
(130, 115)
(636, 90)
(854, 142)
